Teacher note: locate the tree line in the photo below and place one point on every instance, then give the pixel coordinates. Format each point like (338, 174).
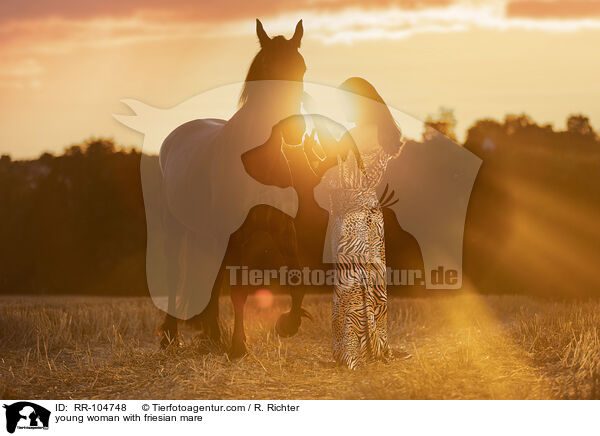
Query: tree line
(74, 223)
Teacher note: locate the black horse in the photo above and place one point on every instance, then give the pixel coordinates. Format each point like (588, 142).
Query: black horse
(267, 238)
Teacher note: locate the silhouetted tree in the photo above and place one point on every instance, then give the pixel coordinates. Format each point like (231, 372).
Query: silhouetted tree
(73, 223)
(580, 125)
(535, 198)
(445, 123)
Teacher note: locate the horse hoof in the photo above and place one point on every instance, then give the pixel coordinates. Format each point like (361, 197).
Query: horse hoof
(237, 351)
(166, 344)
(168, 341)
(286, 326)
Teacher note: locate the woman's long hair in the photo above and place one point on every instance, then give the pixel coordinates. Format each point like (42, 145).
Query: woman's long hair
(377, 112)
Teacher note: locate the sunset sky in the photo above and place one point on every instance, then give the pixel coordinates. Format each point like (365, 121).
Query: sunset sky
(66, 64)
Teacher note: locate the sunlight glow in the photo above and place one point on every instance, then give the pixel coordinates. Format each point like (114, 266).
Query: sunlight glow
(264, 298)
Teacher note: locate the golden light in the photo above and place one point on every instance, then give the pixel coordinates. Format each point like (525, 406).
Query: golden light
(264, 298)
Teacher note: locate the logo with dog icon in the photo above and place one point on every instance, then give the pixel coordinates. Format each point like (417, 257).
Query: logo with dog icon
(26, 415)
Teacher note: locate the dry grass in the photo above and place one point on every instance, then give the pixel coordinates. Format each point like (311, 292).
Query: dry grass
(464, 347)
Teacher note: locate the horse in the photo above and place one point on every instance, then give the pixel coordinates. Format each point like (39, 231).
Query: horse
(267, 235)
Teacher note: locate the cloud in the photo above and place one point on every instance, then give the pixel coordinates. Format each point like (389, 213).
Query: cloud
(352, 24)
(186, 9)
(25, 68)
(22, 73)
(59, 35)
(71, 26)
(556, 9)
(213, 11)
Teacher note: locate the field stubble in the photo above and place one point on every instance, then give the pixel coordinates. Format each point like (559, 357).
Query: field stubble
(464, 347)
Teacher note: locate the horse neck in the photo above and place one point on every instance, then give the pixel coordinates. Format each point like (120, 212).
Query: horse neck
(273, 99)
(252, 124)
(272, 110)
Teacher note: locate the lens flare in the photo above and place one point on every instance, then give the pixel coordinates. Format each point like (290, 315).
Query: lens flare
(264, 298)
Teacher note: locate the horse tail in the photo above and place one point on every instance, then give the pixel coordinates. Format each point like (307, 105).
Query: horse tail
(387, 200)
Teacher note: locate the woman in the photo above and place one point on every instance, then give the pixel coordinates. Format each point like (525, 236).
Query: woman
(352, 170)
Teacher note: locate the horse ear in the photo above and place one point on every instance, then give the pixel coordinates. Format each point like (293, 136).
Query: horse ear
(263, 38)
(298, 34)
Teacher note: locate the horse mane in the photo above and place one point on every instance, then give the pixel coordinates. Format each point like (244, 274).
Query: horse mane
(253, 74)
(256, 70)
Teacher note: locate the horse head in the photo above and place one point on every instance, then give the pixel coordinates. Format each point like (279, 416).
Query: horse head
(278, 59)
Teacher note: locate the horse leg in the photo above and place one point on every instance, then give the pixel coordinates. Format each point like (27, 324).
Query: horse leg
(168, 331)
(239, 294)
(208, 320)
(173, 248)
(211, 318)
(238, 339)
(286, 237)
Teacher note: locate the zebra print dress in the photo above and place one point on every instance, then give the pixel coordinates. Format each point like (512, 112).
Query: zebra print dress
(360, 295)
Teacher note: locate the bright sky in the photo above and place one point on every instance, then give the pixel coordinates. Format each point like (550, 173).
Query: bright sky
(66, 64)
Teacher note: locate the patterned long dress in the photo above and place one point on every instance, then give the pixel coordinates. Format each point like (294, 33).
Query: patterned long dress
(360, 295)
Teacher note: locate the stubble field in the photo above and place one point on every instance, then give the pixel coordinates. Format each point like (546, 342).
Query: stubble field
(464, 347)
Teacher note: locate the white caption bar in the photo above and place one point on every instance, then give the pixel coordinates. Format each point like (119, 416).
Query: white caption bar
(23, 417)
